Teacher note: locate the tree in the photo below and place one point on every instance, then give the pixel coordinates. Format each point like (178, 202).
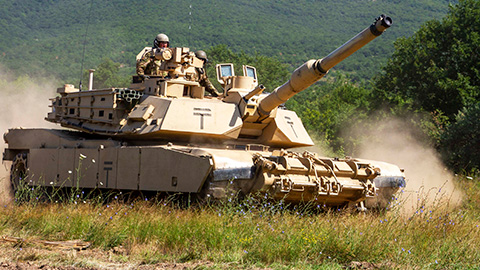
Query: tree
(460, 144)
(107, 75)
(437, 69)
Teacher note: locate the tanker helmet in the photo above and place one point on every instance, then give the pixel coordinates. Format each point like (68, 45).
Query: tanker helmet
(201, 55)
(161, 38)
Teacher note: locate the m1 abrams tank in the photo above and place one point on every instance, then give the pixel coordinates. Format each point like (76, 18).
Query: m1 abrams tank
(164, 134)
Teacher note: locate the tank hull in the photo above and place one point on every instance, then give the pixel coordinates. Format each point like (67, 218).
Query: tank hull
(61, 158)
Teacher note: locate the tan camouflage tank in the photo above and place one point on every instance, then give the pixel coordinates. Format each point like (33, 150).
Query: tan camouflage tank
(164, 133)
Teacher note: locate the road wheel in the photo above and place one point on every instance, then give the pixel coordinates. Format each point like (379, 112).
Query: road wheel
(19, 172)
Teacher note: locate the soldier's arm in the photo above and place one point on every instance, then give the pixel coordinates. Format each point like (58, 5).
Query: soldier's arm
(142, 63)
(205, 82)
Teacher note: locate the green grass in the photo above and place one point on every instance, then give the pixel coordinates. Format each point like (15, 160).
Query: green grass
(256, 232)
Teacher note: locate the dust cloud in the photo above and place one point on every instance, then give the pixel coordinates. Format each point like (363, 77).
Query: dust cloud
(429, 183)
(23, 103)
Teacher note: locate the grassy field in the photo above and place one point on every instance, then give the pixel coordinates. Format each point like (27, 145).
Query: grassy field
(253, 233)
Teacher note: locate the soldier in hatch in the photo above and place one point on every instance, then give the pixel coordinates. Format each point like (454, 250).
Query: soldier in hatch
(148, 65)
(202, 73)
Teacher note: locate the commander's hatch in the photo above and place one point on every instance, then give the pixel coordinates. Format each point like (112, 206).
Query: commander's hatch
(226, 77)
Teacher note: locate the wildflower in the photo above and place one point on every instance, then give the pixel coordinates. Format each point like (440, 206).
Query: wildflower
(409, 252)
(82, 156)
(78, 196)
(101, 183)
(93, 160)
(403, 249)
(70, 172)
(111, 217)
(245, 251)
(51, 183)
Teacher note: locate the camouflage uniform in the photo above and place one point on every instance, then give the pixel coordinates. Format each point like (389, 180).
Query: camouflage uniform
(148, 65)
(205, 82)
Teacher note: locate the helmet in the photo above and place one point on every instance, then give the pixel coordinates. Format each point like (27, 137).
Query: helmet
(160, 38)
(201, 55)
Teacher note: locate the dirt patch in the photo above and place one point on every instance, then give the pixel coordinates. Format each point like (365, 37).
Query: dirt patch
(14, 256)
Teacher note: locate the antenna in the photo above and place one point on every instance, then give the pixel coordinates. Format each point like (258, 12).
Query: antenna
(85, 45)
(190, 26)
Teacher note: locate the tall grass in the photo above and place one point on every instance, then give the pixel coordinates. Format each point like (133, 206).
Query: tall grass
(255, 231)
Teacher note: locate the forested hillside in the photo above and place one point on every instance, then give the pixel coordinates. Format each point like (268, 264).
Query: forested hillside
(49, 35)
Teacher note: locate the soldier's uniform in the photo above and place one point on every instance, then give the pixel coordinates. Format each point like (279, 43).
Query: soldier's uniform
(148, 65)
(205, 82)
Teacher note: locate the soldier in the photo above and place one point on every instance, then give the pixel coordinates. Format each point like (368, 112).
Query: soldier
(202, 73)
(148, 65)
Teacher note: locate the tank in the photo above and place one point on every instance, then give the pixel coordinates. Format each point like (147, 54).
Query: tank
(165, 134)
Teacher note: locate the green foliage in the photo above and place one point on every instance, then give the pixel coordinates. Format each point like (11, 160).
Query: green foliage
(437, 68)
(50, 35)
(107, 75)
(460, 143)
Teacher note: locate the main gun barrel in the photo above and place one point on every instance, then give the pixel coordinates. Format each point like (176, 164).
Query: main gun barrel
(313, 70)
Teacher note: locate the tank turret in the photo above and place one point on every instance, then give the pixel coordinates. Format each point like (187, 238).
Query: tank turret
(165, 133)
